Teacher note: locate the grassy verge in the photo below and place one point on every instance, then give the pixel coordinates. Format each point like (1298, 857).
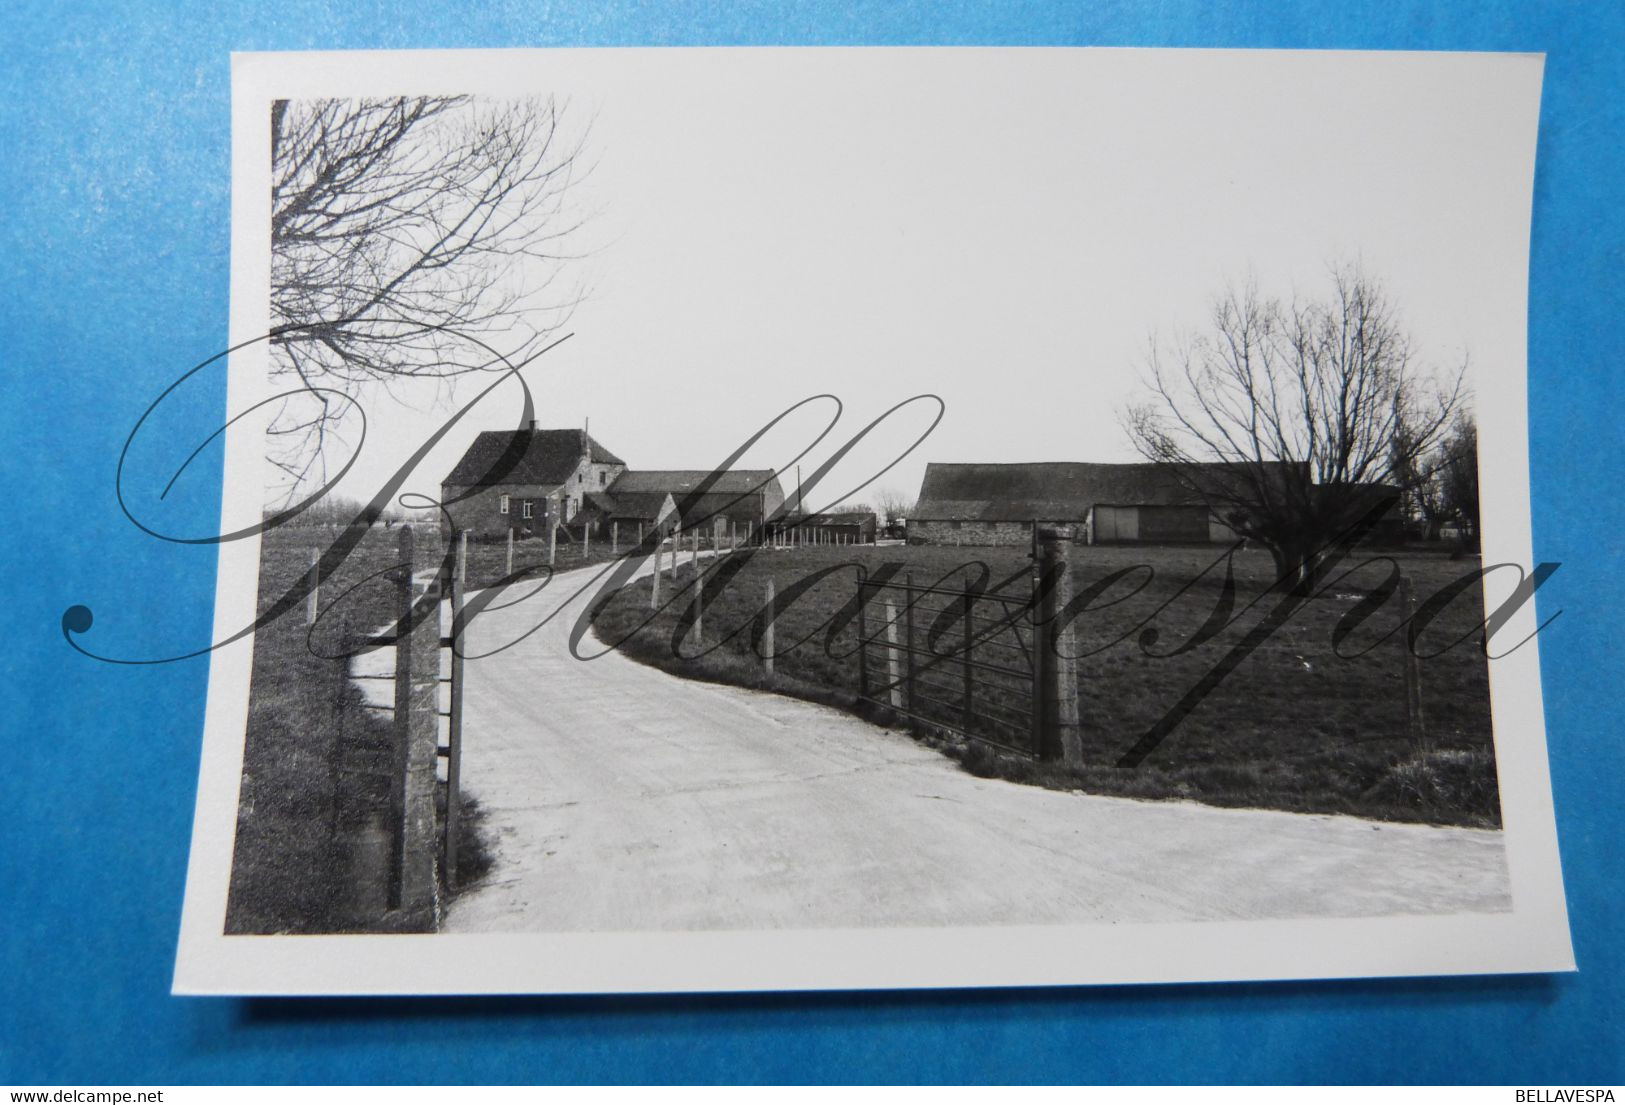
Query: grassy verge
(312, 847)
(1295, 726)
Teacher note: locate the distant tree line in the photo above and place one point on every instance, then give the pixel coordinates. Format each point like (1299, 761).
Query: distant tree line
(337, 511)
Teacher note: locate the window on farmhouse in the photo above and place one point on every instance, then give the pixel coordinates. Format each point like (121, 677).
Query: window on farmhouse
(528, 509)
(502, 505)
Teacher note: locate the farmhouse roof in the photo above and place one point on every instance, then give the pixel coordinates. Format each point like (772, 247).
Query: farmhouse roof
(1056, 491)
(542, 457)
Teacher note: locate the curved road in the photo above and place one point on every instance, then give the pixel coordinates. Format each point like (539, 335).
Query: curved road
(620, 798)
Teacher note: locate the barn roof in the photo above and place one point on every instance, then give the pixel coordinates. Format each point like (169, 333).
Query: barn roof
(1056, 491)
(641, 506)
(677, 482)
(538, 457)
(834, 518)
(733, 492)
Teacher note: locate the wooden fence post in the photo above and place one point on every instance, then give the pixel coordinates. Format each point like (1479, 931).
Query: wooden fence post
(908, 633)
(1415, 719)
(509, 570)
(863, 637)
(454, 738)
(415, 887)
(894, 665)
(312, 600)
(767, 630)
(654, 582)
(1057, 691)
(552, 539)
(462, 556)
(586, 539)
(965, 662)
(614, 539)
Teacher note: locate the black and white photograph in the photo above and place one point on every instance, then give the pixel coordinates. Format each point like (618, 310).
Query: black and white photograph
(823, 518)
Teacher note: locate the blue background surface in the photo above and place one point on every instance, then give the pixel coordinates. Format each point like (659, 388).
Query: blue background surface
(114, 186)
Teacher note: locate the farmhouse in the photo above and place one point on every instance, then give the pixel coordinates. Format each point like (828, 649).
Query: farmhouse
(997, 504)
(526, 480)
(529, 480)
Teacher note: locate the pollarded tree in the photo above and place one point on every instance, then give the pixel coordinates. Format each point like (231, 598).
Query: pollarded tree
(1289, 421)
(400, 229)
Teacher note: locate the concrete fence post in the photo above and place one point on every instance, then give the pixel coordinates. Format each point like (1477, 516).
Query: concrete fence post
(586, 539)
(767, 630)
(509, 570)
(313, 600)
(654, 582)
(894, 659)
(1057, 693)
(699, 606)
(462, 556)
(415, 891)
(552, 540)
(614, 539)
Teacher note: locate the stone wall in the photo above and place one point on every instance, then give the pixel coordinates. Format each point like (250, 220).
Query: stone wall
(481, 513)
(970, 533)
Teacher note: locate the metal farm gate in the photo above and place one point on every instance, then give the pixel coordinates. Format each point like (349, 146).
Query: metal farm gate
(986, 665)
(952, 658)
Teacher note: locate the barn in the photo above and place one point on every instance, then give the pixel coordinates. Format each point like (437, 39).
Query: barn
(627, 516)
(733, 502)
(842, 527)
(997, 504)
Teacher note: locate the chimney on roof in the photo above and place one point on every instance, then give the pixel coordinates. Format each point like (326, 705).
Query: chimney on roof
(532, 426)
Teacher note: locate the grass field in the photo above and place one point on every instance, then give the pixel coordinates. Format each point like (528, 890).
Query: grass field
(488, 558)
(1295, 726)
(312, 844)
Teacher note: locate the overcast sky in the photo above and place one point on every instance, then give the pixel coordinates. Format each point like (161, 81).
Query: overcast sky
(1004, 229)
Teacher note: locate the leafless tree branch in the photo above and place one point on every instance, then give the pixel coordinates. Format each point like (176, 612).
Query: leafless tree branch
(1283, 418)
(397, 227)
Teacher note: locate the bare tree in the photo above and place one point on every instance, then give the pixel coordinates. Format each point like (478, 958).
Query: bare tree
(892, 505)
(1287, 419)
(400, 230)
(1457, 478)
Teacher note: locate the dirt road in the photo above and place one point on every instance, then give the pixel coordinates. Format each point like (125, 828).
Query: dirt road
(622, 798)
